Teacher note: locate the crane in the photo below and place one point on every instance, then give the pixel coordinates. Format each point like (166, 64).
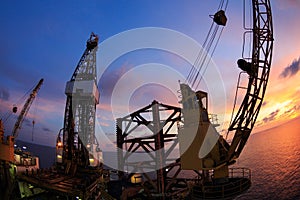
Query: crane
(7, 147)
(211, 150)
(25, 109)
(9, 157)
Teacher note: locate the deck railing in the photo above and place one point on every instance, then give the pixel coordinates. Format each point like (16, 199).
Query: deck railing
(239, 181)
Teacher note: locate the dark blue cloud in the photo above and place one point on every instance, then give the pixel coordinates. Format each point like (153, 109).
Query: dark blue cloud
(46, 129)
(4, 94)
(291, 70)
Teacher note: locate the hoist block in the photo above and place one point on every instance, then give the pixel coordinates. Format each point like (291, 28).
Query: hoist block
(220, 18)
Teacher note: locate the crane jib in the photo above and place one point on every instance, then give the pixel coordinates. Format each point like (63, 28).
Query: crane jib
(26, 108)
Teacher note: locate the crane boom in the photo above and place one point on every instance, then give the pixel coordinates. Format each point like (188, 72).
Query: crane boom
(26, 108)
(258, 69)
(211, 150)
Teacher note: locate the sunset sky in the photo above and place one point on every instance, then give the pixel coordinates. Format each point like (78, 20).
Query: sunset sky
(45, 39)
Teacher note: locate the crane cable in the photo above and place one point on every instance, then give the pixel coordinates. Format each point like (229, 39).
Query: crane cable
(204, 60)
(193, 70)
(36, 103)
(209, 59)
(201, 59)
(204, 54)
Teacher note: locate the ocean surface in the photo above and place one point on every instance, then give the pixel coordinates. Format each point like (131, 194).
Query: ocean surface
(274, 159)
(272, 155)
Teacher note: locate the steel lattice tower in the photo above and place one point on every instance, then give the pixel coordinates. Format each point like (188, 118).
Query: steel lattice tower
(79, 142)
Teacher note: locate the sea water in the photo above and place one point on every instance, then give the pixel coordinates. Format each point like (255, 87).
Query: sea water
(274, 159)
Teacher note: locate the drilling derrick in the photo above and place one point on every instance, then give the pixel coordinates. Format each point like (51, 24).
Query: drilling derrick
(79, 144)
(78, 170)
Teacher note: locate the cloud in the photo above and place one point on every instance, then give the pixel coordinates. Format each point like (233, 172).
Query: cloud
(110, 77)
(104, 124)
(27, 122)
(288, 4)
(291, 70)
(4, 94)
(46, 129)
(259, 123)
(292, 110)
(264, 103)
(110, 134)
(271, 116)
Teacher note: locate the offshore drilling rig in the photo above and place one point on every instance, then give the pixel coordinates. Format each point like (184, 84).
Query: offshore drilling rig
(78, 170)
(78, 173)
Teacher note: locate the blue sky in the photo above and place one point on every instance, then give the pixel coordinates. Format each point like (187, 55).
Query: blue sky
(47, 38)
